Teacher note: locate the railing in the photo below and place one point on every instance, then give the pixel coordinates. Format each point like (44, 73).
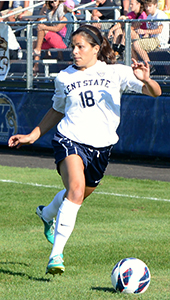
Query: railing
(29, 25)
(87, 9)
(23, 9)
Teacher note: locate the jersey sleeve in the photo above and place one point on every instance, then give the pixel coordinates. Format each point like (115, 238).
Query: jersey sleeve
(59, 96)
(129, 82)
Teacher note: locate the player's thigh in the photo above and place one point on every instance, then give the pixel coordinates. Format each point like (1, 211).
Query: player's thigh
(72, 173)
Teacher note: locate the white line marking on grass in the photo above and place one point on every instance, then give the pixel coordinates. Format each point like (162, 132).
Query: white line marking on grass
(100, 193)
(132, 196)
(30, 183)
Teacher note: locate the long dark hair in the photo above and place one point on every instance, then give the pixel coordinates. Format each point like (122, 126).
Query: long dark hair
(49, 5)
(142, 8)
(94, 37)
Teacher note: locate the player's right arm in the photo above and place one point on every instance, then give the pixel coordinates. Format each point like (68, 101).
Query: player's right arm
(51, 119)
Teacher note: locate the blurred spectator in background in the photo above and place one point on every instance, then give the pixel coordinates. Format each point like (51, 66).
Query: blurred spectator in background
(15, 51)
(16, 6)
(164, 4)
(109, 13)
(117, 32)
(77, 2)
(156, 34)
(4, 5)
(54, 36)
(38, 8)
(125, 7)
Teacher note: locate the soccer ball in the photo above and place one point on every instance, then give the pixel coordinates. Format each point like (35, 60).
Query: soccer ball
(130, 276)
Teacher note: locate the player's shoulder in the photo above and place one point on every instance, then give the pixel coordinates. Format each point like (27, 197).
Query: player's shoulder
(117, 69)
(69, 70)
(100, 67)
(122, 72)
(115, 66)
(120, 68)
(63, 74)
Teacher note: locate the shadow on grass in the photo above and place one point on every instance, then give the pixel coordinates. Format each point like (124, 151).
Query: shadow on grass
(14, 263)
(8, 272)
(104, 289)
(24, 275)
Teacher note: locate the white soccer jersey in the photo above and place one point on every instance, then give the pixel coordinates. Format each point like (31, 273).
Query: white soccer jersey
(90, 100)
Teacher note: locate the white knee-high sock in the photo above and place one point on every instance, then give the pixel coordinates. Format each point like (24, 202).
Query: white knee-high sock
(50, 211)
(64, 225)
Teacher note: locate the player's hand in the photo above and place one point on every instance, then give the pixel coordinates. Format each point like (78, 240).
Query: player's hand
(18, 140)
(141, 70)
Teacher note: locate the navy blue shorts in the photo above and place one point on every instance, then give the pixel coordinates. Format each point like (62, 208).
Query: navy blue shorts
(95, 159)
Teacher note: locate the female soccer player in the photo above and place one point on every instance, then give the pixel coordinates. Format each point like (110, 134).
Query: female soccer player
(86, 110)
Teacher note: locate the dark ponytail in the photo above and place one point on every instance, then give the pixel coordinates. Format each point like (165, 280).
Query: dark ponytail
(94, 37)
(106, 53)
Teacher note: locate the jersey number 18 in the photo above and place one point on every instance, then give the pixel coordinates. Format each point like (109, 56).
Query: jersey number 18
(87, 99)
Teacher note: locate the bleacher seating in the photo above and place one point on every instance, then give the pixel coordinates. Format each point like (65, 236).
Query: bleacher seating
(160, 58)
(49, 68)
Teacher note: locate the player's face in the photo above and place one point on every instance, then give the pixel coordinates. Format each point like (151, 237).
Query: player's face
(84, 55)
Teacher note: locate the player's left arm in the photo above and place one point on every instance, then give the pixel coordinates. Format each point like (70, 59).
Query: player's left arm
(142, 72)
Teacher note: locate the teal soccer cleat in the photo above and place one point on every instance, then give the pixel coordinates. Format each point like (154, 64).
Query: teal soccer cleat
(49, 227)
(55, 265)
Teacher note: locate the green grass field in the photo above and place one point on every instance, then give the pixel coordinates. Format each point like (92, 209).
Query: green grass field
(123, 218)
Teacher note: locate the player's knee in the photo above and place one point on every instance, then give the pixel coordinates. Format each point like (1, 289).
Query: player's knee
(76, 194)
